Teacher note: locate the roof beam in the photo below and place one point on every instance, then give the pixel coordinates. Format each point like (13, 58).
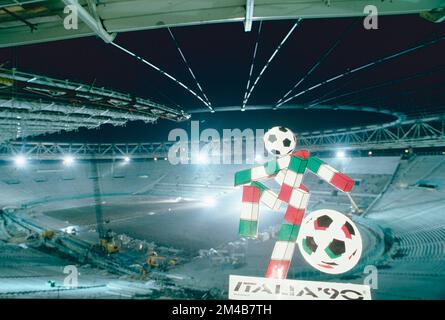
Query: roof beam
(93, 23)
(249, 15)
(16, 16)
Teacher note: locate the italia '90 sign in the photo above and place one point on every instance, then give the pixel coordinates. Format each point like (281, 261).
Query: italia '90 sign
(255, 288)
(328, 240)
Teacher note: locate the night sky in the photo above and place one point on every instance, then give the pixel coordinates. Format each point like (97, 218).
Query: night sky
(220, 56)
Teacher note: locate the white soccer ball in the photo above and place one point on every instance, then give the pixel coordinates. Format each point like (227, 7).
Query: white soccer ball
(329, 241)
(280, 141)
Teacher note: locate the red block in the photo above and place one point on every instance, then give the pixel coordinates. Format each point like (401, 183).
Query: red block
(294, 216)
(304, 188)
(342, 182)
(251, 194)
(277, 269)
(304, 154)
(285, 193)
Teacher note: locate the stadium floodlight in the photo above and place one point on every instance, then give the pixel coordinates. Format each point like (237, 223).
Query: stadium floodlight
(165, 158)
(340, 154)
(209, 201)
(127, 159)
(68, 160)
(406, 150)
(370, 153)
(20, 161)
(203, 159)
(155, 159)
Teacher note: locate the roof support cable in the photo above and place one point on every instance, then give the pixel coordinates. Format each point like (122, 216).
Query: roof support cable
(255, 50)
(162, 72)
(383, 84)
(316, 101)
(94, 23)
(209, 105)
(404, 94)
(269, 62)
(319, 62)
(362, 67)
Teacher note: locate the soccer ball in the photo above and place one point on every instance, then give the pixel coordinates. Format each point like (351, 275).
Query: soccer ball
(329, 241)
(279, 141)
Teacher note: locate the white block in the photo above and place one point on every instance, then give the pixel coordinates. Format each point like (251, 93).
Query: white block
(249, 211)
(299, 199)
(326, 172)
(270, 200)
(293, 179)
(283, 250)
(258, 173)
(277, 205)
(279, 178)
(283, 162)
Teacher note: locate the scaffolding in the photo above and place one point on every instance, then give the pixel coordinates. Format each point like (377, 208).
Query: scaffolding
(31, 105)
(410, 133)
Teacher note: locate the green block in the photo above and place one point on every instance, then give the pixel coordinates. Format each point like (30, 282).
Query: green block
(314, 164)
(259, 185)
(248, 228)
(297, 165)
(271, 167)
(288, 232)
(242, 177)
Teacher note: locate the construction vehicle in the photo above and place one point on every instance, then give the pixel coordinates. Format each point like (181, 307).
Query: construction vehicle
(108, 247)
(156, 261)
(106, 242)
(6, 82)
(48, 234)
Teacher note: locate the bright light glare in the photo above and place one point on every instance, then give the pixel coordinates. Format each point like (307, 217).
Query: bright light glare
(203, 159)
(127, 159)
(209, 201)
(20, 161)
(340, 154)
(258, 158)
(70, 230)
(68, 160)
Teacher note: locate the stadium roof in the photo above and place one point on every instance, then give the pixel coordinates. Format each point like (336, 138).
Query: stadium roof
(379, 77)
(33, 21)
